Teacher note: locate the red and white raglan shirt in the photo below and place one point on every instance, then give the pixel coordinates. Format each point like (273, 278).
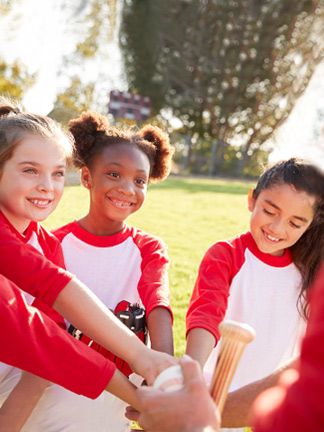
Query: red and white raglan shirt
(23, 262)
(32, 261)
(130, 265)
(236, 281)
(32, 341)
(297, 405)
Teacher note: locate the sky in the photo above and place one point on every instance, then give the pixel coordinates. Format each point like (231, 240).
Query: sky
(298, 136)
(33, 35)
(38, 34)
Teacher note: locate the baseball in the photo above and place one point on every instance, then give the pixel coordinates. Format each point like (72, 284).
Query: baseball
(171, 379)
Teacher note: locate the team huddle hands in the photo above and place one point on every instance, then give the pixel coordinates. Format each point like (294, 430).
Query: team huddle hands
(152, 363)
(190, 409)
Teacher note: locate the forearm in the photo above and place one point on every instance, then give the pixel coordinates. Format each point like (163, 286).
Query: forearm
(86, 312)
(236, 412)
(121, 387)
(200, 343)
(21, 402)
(159, 323)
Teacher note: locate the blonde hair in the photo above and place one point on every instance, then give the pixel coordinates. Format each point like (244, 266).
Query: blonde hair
(15, 124)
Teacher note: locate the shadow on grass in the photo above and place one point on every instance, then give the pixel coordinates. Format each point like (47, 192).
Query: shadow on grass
(196, 185)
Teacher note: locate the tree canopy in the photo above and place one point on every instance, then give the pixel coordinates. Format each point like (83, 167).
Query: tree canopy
(15, 79)
(230, 70)
(93, 23)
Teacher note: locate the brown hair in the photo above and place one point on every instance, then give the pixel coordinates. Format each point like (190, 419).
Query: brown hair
(15, 124)
(92, 133)
(308, 251)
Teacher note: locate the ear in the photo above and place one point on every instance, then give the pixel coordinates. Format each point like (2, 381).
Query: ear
(86, 177)
(251, 200)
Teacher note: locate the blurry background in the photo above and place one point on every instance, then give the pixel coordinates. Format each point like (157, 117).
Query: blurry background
(235, 82)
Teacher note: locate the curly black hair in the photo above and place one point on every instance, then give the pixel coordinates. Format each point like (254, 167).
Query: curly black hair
(92, 133)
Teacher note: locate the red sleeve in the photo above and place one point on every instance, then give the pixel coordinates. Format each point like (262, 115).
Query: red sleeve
(52, 251)
(208, 302)
(51, 246)
(153, 286)
(52, 313)
(301, 407)
(33, 342)
(28, 269)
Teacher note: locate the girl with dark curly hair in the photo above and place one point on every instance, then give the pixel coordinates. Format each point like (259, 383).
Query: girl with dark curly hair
(124, 266)
(34, 151)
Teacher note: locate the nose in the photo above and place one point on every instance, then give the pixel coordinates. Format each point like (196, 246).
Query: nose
(126, 187)
(277, 226)
(45, 184)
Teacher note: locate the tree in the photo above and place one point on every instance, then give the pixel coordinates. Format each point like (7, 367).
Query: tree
(72, 101)
(230, 70)
(5, 6)
(15, 79)
(93, 23)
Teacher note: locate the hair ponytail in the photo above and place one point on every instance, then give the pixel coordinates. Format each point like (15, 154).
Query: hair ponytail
(161, 166)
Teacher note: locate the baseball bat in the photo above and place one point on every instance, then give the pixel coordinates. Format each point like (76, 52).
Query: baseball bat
(235, 337)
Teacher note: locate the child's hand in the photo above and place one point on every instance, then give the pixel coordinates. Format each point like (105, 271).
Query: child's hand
(188, 409)
(151, 363)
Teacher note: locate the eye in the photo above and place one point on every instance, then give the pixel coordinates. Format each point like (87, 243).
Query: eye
(268, 212)
(295, 225)
(59, 174)
(113, 174)
(30, 171)
(140, 182)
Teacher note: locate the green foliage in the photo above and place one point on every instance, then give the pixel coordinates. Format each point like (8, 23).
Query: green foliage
(189, 214)
(99, 23)
(15, 79)
(94, 24)
(229, 70)
(6, 6)
(72, 101)
(142, 51)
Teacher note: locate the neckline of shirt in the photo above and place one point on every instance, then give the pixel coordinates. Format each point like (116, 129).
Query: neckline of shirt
(275, 261)
(32, 227)
(100, 241)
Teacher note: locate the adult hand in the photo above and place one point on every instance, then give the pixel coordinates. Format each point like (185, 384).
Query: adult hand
(190, 409)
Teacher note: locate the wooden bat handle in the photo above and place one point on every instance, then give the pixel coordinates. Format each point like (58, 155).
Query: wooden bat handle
(235, 337)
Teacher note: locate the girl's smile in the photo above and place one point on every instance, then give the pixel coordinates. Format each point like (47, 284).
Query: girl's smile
(120, 204)
(32, 181)
(280, 216)
(117, 180)
(40, 203)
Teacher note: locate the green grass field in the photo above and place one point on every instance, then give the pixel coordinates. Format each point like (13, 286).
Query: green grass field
(189, 215)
